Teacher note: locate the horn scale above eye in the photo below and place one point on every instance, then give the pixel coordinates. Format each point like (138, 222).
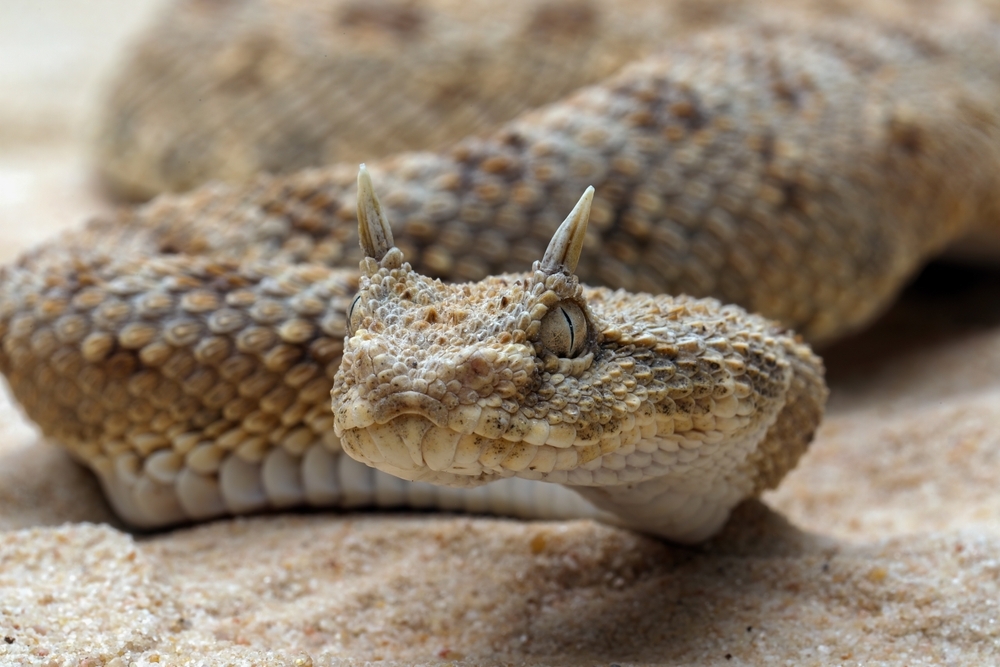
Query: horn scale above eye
(374, 232)
(563, 253)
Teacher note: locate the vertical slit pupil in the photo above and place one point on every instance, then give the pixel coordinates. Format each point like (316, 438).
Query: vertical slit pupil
(572, 332)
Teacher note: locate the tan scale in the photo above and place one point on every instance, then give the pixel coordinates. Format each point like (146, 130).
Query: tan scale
(223, 90)
(761, 166)
(226, 90)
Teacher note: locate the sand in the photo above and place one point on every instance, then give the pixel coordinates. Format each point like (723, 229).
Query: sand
(883, 547)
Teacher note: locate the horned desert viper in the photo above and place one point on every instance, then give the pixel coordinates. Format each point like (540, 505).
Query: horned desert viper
(186, 350)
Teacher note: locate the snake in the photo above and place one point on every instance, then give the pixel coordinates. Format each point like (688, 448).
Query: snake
(188, 350)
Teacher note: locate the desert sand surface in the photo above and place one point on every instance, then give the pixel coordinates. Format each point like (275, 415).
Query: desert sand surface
(883, 547)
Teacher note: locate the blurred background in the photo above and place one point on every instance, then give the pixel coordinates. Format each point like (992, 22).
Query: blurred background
(56, 57)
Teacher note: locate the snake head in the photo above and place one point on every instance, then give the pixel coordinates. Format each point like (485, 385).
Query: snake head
(435, 374)
(664, 410)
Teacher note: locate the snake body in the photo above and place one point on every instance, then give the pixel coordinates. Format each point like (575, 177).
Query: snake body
(186, 350)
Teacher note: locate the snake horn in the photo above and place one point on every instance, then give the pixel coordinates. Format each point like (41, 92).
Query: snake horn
(373, 227)
(564, 249)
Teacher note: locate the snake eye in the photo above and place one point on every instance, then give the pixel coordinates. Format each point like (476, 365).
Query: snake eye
(564, 330)
(354, 316)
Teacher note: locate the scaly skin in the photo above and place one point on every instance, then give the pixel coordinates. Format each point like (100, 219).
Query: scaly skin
(663, 411)
(281, 85)
(226, 90)
(185, 350)
(803, 173)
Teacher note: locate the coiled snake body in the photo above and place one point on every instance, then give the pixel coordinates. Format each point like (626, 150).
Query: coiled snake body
(186, 350)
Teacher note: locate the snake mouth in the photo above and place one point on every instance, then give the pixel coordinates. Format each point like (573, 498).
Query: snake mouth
(362, 413)
(413, 447)
(415, 437)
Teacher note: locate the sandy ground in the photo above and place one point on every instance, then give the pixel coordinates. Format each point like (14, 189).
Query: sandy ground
(883, 547)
